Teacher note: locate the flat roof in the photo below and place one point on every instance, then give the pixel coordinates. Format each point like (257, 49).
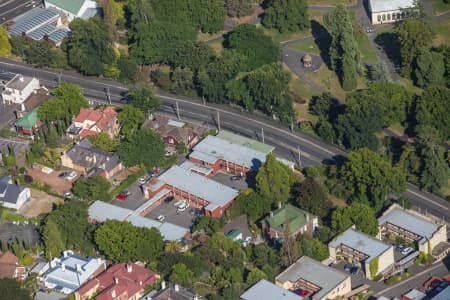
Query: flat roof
(200, 186)
(362, 242)
(443, 295)
(19, 82)
(389, 5)
(315, 272)
(246, 142)
(265, 290)
(34, 19)
(102, 211)
(169, 231)
(190, 166)
(406, 220)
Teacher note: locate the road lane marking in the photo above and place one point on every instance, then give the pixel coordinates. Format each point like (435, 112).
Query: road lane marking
(427, 199)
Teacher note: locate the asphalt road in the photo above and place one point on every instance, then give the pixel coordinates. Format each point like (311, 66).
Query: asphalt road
(9, 9)
(312, 151)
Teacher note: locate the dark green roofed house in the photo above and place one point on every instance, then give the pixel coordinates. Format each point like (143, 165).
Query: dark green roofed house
(29, 122)
(298, 221)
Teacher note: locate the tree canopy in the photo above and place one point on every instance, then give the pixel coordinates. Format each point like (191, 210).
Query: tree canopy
(11, 289)
(430, 69)
(310, 196)
(287, 15)
(94, 188)
(144, 99)
(104, 142)
(130, 119)
(239, 8)
(358, 214)
(5, 45)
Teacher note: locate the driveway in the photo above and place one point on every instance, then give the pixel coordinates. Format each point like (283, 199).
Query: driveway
(225, 179)
(240, 223)
(169, 211)
(20, 146)
(135, 200)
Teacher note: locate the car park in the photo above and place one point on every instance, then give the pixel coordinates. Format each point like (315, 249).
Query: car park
(399, 247)
(407, 250)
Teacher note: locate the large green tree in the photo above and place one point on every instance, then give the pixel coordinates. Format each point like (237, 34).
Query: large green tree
(239, 8)
(344, 52)
(123, 242)
(145, 146)
(130, 119)
(11, 289)
(358, 214)
(370, 178)
(287, 15)
(250, 41)
(144, 99)
(415, 38)
(104, 142)
(314, 248)
(430, 69)
(310, 196)
(274, 180)
(93, 188)
(5, 45)
(89, 47)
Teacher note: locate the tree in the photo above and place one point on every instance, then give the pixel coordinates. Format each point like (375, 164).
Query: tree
(370, 178)
(104, 142)
(5, 45)
(190, 54)
(287, 15)
(94, 188)
(433, 109)
(251, 42)
(323, 105)
(11, 289)
(181, 274)
(127, 66)
(314, 248)
(239, 8)
(415, 38)
(289, 250)
(379, 72)
(52, 239)
(123, 242)
(144, 146)
(310, 196)
(144, 100)
(358, 214)
(344, 53)
(39, 53)
(51, 136)
(182, 81)
(130, 119)
(254, 276)
(172, 247)
(430, 69)
(89, 47)
(274, 180)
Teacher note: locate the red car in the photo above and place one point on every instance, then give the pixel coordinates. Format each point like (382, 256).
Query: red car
(302, 293)
(122, 197)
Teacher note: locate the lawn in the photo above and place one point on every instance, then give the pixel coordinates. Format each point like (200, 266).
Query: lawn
(306, 92)
(203, 37)
(439, 6)
(331, 2)
(441, 28)
(307, 46)
(217, 46)
(368, 54)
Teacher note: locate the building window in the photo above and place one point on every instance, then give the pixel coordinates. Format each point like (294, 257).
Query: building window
(384, 17)
(379, 18)
(389, 17)
(403, 14)
(398, 15)
(393, 16)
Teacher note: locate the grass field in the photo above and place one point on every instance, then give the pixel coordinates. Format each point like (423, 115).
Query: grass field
(439, 6)
(307, 46)
(217, 46)
(368, 54)
(441, 28)
(331, 2)
(203, 37)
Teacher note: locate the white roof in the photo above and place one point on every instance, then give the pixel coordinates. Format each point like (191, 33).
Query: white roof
(102, 211)
(389, 5)
(265, 290)
(169, 231)
(212, 191)
(443, 295)
(362, 242)
(315, 272)
(406, 220)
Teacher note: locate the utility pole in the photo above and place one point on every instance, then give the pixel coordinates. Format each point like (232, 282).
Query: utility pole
(292, 126)
(299, 156)
(177, 110)
(203, 99)
(218, 121)
(108, 95)
(262, 134)
(59, 77)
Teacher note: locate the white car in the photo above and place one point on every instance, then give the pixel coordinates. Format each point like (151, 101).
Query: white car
(407, 250)
(71, 175)
(160, 218)
(182, 208)
(180, 202)
(142, 180)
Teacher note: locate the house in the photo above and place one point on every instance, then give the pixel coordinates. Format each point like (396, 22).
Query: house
(414, 295)
(68, 273)
(18, 89)
(173, 292)
(265, 290)
(363, 249)
(91, 121)
(125, 281)
(34, 100)
(320, 281)
(85, 158)
(101, 211)
(72, 9)
(173, 132)
(10, 267)
(231, 153)
(442, 295)
(197, 190)
(413, 227)
(29, 122)
(382, 11)
(299, 221)
(12, 195)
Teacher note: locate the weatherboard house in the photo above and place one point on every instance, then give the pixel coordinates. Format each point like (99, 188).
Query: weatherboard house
(389, 11)
(83, 9)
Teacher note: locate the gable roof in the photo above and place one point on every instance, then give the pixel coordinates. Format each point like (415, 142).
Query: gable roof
(297, 218)
(265, 290)
(88, 114)
(11, 191)
(84, 154)
(72, 6)
(29, 120)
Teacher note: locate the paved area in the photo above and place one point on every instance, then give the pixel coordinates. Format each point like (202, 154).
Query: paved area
(135, 200)
(20, 146)
(184, 219)
(240, 223)
(59, 185)
(10, 9)
(21, 232)
(40, 203)
(235, 184)
(360, 279)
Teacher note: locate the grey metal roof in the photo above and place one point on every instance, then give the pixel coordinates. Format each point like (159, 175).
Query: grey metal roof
(389, 5)
(169, 231)
(361, 242)
(58, 35)
(406, 220)
(265, 290)
(34, 20)
(443, 295)
(19, 82)
(102, 211)
(39, 33)
(200, 186)
(315, 272)
(11, 191)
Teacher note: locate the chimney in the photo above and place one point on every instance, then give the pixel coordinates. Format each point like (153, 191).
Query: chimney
(63, 267)
(129, 268)
(78, 268)
(99, 261)
(279, 204)
(22, 107)
(21, 78)
(65, 253)
(116, 280)
(177, 288)
(113, 293)
(163, 285)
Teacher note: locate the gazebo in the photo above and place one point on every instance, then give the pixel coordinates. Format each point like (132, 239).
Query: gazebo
(307, 61)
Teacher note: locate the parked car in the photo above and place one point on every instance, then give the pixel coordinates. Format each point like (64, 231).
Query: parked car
(235, 178)
(142, 180)
(63, 174)
(122, 197)
(160, 218)
(169, 199)
(67, 194)
(399, 247)
(71, 175)
(407, 250)
(354, 270)
(181, 208)
(348, 267)
(126, 193)
(302, 293)
(178, 203)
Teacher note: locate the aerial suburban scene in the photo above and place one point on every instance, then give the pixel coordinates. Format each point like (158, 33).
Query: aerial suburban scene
(224, 149)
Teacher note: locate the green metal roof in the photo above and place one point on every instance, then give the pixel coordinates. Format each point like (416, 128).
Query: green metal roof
(29, 119)
(296, 217)
(245, 142)
(234, 234)
(72, 6)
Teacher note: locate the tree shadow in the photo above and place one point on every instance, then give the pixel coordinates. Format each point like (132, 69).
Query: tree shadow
(323, 41)
(391, 46)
